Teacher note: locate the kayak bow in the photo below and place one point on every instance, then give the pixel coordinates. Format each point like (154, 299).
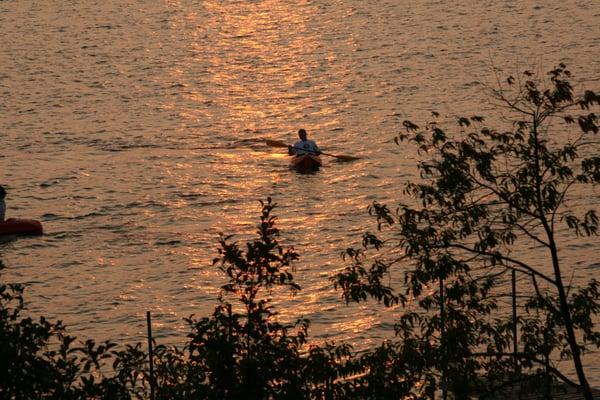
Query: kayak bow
(306, 163)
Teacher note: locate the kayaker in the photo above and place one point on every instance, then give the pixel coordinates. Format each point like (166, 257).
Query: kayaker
(2, 204)
(303, 146)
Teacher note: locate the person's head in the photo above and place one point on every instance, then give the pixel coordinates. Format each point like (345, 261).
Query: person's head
(2, 192)
(302, 134)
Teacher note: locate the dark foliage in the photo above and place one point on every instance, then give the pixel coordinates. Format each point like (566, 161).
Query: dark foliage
(39, 360)
(241, 351)
(486, 194)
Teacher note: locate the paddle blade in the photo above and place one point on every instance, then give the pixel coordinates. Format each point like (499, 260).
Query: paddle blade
(275, 143)
(346, 158)
(342, 157)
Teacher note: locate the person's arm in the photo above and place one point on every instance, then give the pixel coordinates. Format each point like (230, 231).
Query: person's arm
(291, 151)
(316, 148)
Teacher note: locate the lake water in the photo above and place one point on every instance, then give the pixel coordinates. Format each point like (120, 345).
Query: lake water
(135, 131)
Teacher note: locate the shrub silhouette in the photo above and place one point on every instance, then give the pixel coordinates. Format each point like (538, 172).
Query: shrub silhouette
(240, 351)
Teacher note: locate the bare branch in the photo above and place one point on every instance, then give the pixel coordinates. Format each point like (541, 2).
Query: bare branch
(504, 258)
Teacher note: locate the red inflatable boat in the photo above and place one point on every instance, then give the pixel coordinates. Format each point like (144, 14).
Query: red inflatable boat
(18, 226)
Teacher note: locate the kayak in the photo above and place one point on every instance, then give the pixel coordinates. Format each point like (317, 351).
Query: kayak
(18, 226)
(306, 162)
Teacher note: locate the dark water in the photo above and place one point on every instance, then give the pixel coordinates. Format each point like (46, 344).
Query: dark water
(135, 131)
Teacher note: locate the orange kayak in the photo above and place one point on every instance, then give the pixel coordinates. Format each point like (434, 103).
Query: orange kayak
(307, 162)
(17, 226)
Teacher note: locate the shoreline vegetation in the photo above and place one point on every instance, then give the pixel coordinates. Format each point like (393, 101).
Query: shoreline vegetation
(481, 190)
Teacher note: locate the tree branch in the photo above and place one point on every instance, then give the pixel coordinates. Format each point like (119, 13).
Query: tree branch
(527, 357)
(504, 258)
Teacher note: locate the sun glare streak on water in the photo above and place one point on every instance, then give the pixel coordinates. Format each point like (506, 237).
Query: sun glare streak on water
(135, 131)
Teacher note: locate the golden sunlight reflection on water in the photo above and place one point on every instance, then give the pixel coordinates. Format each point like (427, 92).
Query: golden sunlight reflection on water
(136, 133)
(239, 37)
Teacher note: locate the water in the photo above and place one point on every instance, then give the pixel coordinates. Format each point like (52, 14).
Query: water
(135, 132)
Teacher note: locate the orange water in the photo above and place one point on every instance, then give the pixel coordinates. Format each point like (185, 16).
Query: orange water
(135, 131)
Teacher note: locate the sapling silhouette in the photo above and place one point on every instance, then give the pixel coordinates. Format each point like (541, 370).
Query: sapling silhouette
(485, 194)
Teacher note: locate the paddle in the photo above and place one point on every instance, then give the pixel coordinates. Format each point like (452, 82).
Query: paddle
(277, 143)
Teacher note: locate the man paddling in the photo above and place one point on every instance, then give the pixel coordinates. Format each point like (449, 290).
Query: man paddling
(303, 146)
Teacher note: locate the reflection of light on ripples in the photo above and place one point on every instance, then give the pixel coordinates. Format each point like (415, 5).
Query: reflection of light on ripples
(356, 325)
(137, 144)
(252, 66)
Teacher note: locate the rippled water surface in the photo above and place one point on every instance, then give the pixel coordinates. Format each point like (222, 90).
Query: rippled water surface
(135, 131)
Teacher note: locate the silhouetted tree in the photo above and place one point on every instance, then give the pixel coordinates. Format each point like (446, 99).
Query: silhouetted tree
(241, 351)
(485, 196)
